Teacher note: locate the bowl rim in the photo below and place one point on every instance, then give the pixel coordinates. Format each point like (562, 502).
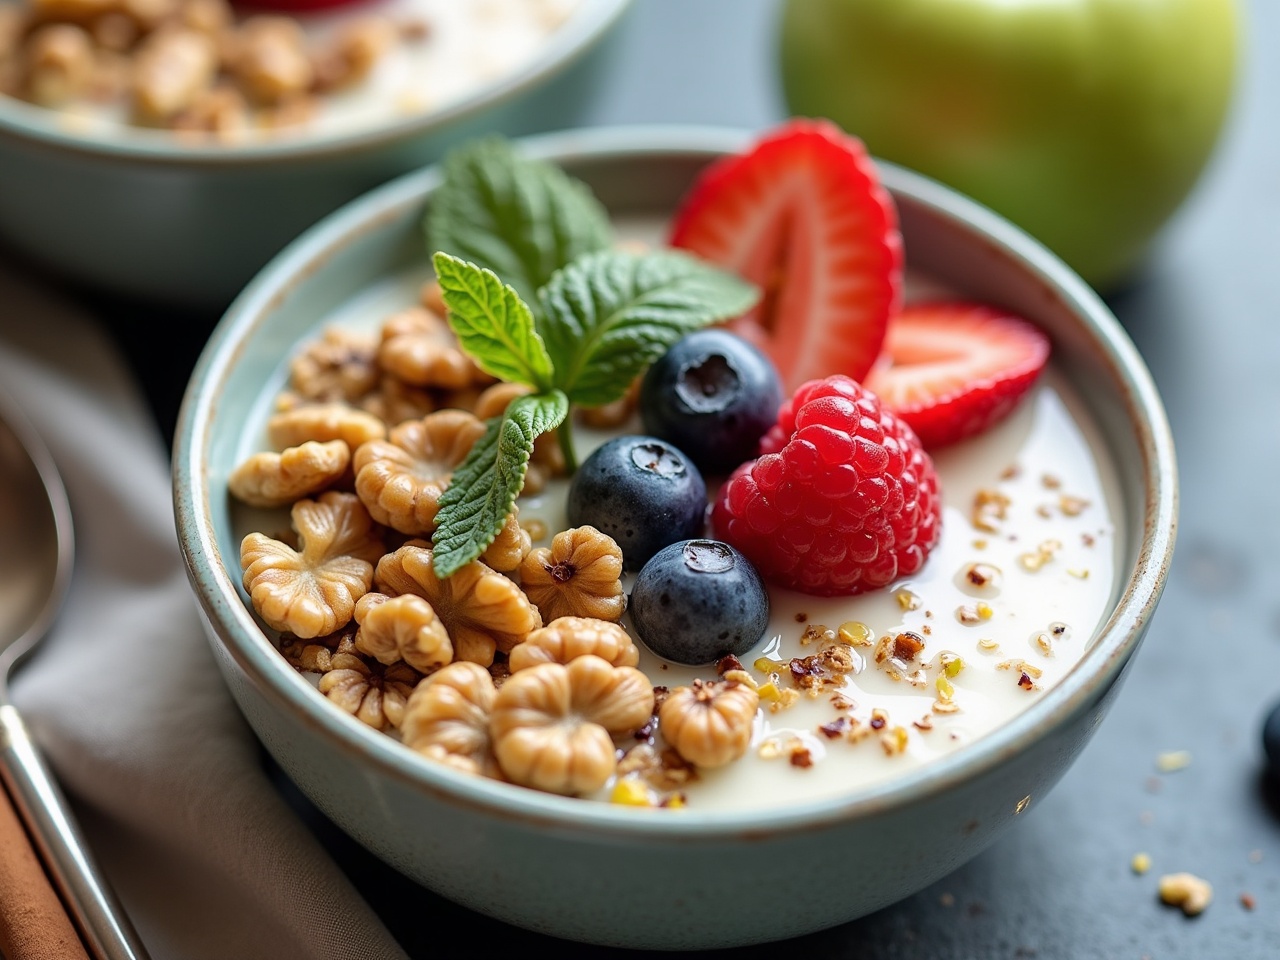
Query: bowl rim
(581, 31)
(1116, 639)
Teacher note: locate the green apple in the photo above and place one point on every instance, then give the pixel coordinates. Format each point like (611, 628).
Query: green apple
(1086, 122)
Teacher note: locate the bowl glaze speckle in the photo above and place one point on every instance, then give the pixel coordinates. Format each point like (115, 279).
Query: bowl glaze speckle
(647, 878)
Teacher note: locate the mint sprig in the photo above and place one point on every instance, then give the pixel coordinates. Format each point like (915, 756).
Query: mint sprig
(494, 326)
(484, 488)
(521, 218)
(605, 317)
(510, 232)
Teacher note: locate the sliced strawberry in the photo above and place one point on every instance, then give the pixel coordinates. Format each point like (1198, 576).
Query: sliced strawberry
(951, 370)
(802, 214)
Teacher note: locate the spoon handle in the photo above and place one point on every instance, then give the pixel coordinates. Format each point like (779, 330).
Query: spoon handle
(40, 802)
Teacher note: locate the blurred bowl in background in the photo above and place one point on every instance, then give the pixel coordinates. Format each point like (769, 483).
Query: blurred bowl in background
(150, 217)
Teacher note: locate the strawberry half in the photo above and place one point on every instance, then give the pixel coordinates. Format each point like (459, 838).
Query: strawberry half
(802, 214)
(951, 370)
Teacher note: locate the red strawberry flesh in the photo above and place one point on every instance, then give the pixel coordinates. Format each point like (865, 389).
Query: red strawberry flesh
(952, 370)
(802, 214)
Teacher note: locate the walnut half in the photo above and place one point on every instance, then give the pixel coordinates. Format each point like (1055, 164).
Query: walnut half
(567, 638)
(482, 610)
(402, 628)
(447, 718)
(553, 724)
(313, 591)
(579, 575)
(710, 722)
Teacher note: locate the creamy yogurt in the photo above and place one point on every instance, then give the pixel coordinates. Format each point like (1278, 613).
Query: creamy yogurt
(1052, 559)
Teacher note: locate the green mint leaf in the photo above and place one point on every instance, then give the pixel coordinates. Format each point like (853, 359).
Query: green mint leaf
(521, 218)
(493, 324)
(607, 316)
(484, 487)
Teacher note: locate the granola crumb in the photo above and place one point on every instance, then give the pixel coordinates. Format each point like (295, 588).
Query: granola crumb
(1140, 863)
(1193, 894)
(1172, 760)
(1247, 901)
(947, 900)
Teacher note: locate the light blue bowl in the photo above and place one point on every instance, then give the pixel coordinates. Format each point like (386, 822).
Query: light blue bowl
(153, 218)
(623, 876)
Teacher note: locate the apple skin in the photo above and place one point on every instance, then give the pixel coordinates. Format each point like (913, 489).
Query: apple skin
(1085, 122)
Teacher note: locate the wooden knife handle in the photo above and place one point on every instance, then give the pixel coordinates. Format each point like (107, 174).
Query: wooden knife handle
(34, 924)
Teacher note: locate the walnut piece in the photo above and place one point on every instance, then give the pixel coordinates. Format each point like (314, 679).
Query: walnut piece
(447, 718)
(493, 401)
(395, 402)
(372, 695)
(340, 365)
(354, 50)
(276, 479)
(313, 591)
(268, 59)
(710, 722)
(173, 68)
(1187, 891)
(59, 61)
(579, 575)
(553, 724)
(324, 422)
(419, 348)
(401, 479)
(567, 638)
(402, 628)
(509, 547)
(482, 610)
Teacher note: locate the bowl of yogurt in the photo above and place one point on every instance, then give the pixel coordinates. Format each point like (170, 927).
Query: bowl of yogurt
(165, 151)
(901, 763)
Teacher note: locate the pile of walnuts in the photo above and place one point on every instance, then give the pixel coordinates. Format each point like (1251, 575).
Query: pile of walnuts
(514, 667)
(187, 65)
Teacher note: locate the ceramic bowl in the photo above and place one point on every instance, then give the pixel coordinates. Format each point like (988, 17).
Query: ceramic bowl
(177, 224)
(596, 872)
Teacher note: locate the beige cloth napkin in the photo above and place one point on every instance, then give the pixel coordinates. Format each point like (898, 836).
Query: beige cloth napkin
(125, 699)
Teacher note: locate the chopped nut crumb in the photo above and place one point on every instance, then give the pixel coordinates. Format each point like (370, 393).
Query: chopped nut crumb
(1247, 901)
(816, 631)
(1187, 891)
(907, 601)
(982, 575)
(894, 741)
(1072, 506)
(989, 507)
(856, 634)
(1173, 760)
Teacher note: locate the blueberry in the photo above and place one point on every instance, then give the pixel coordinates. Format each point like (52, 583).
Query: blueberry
(714, 395)
(641, 491)
(1271, 740)
(697, 601)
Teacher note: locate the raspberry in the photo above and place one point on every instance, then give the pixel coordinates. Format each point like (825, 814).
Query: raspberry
(843, 498)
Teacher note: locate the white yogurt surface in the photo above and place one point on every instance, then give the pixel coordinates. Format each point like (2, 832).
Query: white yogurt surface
(1064, 510)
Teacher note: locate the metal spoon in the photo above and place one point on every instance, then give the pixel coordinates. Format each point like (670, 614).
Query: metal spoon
(36, 551)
